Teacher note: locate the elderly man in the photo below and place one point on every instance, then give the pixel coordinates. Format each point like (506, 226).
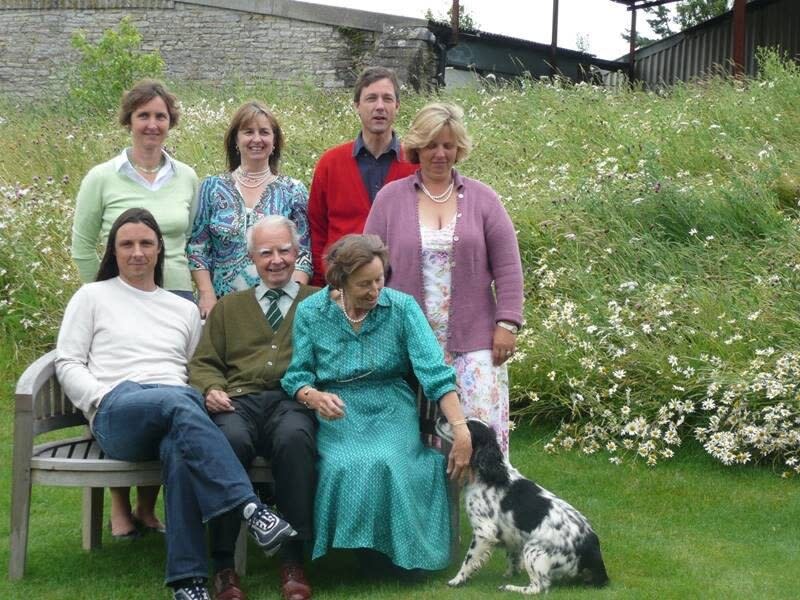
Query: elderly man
(348, 176)
(121, 357)
(244, 351)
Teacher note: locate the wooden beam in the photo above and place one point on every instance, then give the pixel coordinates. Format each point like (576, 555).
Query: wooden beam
(632, 55)
(739, 27)
(455, 13)
(554, 41)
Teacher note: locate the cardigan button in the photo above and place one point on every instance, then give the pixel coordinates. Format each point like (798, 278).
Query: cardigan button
(269, 363)
(274, 347)
(461, 195)
(238, 390)
(455, 238)
(458, 215)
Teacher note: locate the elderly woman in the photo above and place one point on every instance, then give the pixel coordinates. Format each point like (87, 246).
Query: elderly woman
(355, 341)
(453, 247)
(141, 176)
(231, 203)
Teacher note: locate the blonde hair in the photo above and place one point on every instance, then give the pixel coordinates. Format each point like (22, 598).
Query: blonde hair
(427, 124)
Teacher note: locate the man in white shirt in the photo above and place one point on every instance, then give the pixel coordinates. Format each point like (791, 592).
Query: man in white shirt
(121, 358)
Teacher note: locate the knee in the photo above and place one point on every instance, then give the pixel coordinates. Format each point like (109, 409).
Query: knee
(241, 443)
(293, 440)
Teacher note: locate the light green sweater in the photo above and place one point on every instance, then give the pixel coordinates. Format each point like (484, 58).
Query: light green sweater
(106, 193)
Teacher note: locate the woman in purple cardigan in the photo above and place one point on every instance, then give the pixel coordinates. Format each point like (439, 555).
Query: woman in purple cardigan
(453, 247)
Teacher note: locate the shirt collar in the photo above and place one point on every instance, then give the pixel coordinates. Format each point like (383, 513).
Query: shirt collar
(358, 145)
(121, 160)
(291, 289)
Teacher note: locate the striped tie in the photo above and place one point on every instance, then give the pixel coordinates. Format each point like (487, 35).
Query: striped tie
(274, 316)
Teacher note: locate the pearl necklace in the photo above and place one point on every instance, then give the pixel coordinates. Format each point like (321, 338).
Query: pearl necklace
(254, 180)
(348, 317)
(441, 198)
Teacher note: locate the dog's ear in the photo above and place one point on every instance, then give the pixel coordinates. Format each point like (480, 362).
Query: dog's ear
(487, 458)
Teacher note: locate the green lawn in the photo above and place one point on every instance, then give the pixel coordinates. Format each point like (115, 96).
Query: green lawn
(688, 529)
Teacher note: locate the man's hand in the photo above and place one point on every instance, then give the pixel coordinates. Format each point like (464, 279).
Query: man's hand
(218, 401)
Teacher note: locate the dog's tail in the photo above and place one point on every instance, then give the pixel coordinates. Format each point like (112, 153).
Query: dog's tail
(591, 567)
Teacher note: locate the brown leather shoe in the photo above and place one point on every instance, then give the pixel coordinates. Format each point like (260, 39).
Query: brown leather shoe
(294, 585)
(226, 586)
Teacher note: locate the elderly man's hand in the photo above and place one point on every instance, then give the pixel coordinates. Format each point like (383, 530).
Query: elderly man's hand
(458, 461)
(218, 401)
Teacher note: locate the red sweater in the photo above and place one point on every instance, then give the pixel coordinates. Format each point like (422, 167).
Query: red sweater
(338, 202)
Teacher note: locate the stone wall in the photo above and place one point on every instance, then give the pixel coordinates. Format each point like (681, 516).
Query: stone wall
(213, 43)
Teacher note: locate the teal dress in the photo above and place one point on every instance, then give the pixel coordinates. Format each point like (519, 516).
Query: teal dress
(378, 486)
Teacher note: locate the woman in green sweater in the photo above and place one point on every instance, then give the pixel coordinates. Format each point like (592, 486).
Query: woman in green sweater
(141, 176)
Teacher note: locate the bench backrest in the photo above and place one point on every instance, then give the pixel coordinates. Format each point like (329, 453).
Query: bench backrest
(39, 397)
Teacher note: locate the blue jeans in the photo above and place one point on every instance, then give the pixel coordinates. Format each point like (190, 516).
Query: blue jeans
(202, 476)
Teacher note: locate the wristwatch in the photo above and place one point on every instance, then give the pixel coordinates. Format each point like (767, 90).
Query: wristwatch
(508, 326)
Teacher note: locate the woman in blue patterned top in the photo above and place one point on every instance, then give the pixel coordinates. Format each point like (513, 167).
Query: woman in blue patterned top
(378, 486)
(230, 204)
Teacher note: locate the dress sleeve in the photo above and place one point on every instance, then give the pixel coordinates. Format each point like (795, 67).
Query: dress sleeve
(86, 226)
(198, 248)
(299, 216)
(427, 358)
(302, 370)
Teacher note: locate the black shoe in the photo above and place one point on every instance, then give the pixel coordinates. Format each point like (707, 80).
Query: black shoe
(193, 589)
(267, 528)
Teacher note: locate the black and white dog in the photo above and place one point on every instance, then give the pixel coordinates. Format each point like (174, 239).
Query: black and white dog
(540, 532)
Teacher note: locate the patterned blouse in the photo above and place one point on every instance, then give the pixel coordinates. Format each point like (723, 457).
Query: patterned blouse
(219, 235)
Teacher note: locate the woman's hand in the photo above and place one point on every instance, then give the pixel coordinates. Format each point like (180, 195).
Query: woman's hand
(503, 345)
(206, 302)
(458, 461)
(327, 405)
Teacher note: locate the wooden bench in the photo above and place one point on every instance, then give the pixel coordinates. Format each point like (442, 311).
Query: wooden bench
(42, 406)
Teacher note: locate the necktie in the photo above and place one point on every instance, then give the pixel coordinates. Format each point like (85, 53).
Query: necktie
(274, 316)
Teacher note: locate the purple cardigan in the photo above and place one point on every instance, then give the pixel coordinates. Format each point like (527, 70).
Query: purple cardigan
(485, 250)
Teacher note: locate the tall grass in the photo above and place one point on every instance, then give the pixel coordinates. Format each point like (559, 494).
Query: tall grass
(659, 235)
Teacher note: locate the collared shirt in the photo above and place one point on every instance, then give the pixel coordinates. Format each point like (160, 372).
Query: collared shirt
(285, 302)
(167, 171)
(374, 170)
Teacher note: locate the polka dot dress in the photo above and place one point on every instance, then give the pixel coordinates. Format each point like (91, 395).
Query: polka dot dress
(378, 486)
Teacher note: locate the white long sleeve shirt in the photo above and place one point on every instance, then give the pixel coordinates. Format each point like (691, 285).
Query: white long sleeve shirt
(113, 332)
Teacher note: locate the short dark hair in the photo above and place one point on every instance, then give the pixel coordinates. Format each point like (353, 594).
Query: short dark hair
(108, 265)
(243, 115)
(141, 93)
(351, 252)
(372, 74)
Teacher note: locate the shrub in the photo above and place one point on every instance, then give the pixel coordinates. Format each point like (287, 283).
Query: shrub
(111, 66)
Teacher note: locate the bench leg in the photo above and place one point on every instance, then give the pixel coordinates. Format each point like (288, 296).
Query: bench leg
(92, 526)
(240, 554)
(20, 520)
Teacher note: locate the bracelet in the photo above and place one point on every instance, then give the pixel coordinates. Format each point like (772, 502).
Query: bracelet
(459, 422)
(306, 392)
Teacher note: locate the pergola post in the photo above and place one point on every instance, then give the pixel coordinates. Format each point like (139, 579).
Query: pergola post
(739, 25)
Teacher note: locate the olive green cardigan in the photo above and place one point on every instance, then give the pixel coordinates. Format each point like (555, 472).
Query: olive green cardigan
(238, 351)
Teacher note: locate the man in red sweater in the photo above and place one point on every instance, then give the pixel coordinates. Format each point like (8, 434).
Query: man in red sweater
(348, 176)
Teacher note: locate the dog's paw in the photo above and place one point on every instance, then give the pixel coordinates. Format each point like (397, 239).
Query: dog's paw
(456, 581)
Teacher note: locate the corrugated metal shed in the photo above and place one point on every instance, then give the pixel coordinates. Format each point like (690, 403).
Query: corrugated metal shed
(699, 51)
